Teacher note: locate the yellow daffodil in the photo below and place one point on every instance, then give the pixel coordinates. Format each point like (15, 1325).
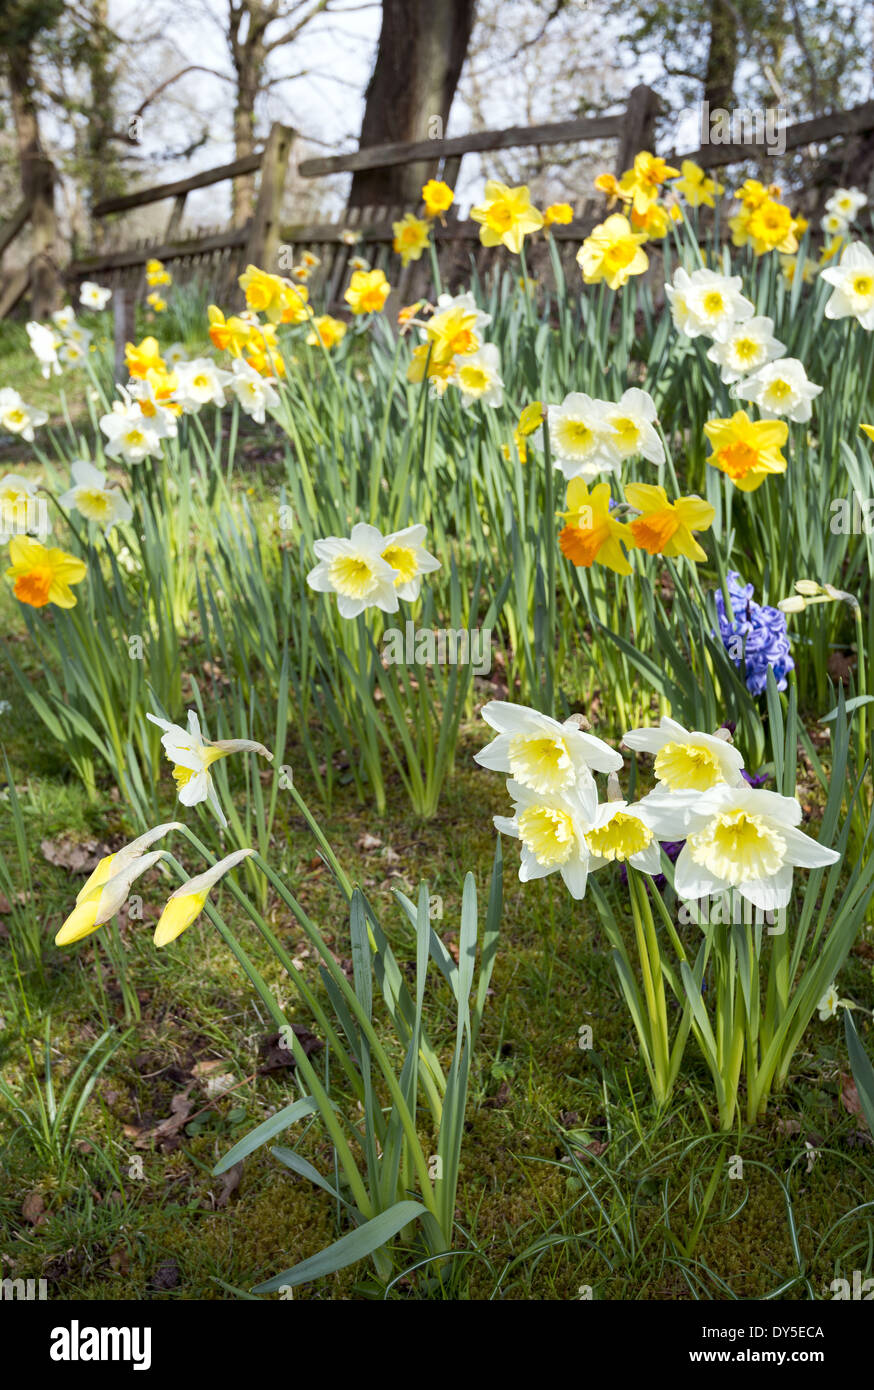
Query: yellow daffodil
(262, 350)
(643, 181)
(228, 335)
(654, 223)
(747, 451)
(157, 273)
(326, 330)
(295, 304)
(155, 302)
(609, 185)
(530, 419)
(367, 292)
(696, 187)
(665, 528)
(411, 237)
(437, 197)
(108, 886)
(790, 266)
(186, 904)
(143, 358)
(559, 213)
(591, 534)
(440, 369)
(831, 248)
(613, 252)
(507, 216)
(41, 575)
(265, 293)
(771, 227)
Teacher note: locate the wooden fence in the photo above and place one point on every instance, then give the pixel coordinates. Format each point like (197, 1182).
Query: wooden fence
(217, 255)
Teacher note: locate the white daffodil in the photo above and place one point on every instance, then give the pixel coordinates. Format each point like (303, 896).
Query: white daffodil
(624, 834)
(187, 903)
(91, 496)
(405, 552)
(846, 202)
(78, 335)
(748, 346)
(18, 418)
(743, 838)
(44, 344)
(64, 318)
(540, 753)
(582, 440)
(833, 224)
(355, 571)
(173, 355)
(253, 391)
(829, 1003)
(192, 755)
(553, 828)
(22, 511)
(200, 382)
(707, 304)
(130, 434)
(780, 388)
(71, 353)
(160, 417)
(109, 885)
(478, 377)
(687, 763)
(632, 421)
(447, 303)
(92, 296)
(853, 282)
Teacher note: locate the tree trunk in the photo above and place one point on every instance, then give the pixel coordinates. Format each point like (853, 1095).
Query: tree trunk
(243, 188)
(422, 47)
(37, 184)
(721, 56)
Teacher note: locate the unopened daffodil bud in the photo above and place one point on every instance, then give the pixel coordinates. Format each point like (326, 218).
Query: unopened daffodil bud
(186, 904)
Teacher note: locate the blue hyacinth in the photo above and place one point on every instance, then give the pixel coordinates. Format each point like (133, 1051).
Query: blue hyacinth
(754, 635)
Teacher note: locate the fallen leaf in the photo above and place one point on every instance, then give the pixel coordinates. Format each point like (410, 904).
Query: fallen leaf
(230, 1183)
(850, 1096)
(78, 857)
(368, 842)
(278, 1054)
(33, 1209)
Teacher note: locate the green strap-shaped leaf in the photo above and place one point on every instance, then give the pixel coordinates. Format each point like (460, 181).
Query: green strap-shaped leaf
(349, 1249)
(267, 1130)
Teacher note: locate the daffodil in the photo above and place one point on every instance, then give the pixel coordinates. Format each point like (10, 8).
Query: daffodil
(18, 418)
(609, 185)
(632, 423)
(695, 186)
(746, 347)
(612, 252)
(411, 238)
(252, 391)
(141, 358)
(437, 197)
(846, 202)
(687, 763)
(367, 292)
(559, 214)
(455, 326)
(200, 382)
(295, 304)
(478, 377)
(157, 273)
(583, 440)
(540, 753)
(793, 265)
(93, 296)
(44, 343)
(770, 227)
(747, 451)
(93, 499)
(553, 828)
(326, 330)
(192, 756)
(506, 216)
(265, 293)
(405, 552)
(109, 886)
(644, 180)
(591, 535)
(853, 285)
(354, 570)
(829, 1004)
(666, 528)
(229, 335)
(22, 511)
(155, 302)
(623, 834)
(185, 905)
(780, 388)
(747, 839)
(869, 430)
(707, 303)
(41, 575)
(655, 222)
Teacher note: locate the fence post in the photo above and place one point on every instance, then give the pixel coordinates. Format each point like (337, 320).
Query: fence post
(263, 243)
(123, 311)
(639, 130)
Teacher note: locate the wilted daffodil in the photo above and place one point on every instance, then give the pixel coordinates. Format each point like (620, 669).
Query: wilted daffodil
(367, 292)
(41, 575)
(747, 451)
(192, 755)
(108, 886)
(591, 535)
(506, 216)
(613, 252)
(186, 904)
(665, 528)
(411, 237)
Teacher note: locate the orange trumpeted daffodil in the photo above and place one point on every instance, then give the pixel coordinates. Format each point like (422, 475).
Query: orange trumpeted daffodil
(591, 535)
(665, 528)
(747, 451)
(41, 575)
(228, 335)
(143, 357)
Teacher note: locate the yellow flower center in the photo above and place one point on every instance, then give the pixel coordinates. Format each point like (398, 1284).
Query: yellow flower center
(746, 349)
(738, 847)
(351, 575)
(548, 833)
(573, 434)
(473, 379)
(403, 559)
(619, 255)
(628, 432)
(863, 285)
(685, 765)
(94, 504)
(714, 302)
(779, 390)
(621, 837)
(540, 762)
(134, 438)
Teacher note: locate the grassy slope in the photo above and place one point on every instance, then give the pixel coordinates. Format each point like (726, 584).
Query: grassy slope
(106, 1233)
